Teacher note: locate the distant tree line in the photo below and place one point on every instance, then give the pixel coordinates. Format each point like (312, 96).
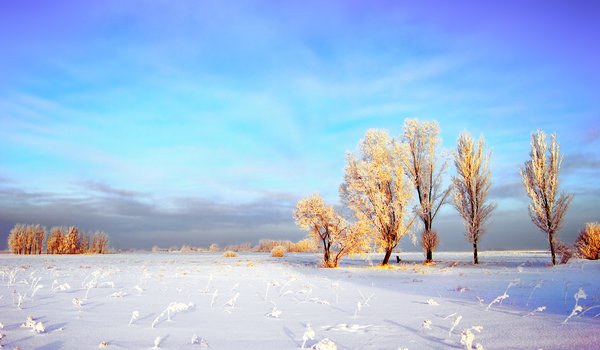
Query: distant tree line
(386, 174)
(264, 246)
(29, 239)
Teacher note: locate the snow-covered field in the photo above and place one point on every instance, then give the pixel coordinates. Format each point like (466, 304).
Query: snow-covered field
(513, 300)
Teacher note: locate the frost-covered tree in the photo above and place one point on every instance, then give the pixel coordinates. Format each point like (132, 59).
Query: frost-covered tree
(321, 221)
(22, 239)
(12, 241)
(39, 236)
(54, 243)
(85, 243)
(421, 166)
(29, 239)
(471, 187)
(99, 243)
(26, 239)
(429, 241)
(330, 230)
(540, 178)
(376, 189)
(16, 239)
(71, 242)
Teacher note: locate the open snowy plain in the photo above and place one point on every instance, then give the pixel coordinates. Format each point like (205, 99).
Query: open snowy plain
(513, 300)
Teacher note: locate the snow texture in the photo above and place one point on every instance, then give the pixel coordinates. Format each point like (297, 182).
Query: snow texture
(259, 302)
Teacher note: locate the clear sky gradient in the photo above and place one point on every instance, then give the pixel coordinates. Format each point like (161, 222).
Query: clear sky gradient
(192, 122)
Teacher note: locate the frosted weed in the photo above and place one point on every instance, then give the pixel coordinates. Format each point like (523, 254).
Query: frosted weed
(77, 303)
(454, 324)
(537, 285)
(135, 315)
(199, 341)
(157, 341)
(37, 327)
(324, 344)
(275, 312)
(309, 334)
(214, 298)
(577, 308)
(426, 324)
(467, 337)
(172, 308)
(504, 296)
(432, 302)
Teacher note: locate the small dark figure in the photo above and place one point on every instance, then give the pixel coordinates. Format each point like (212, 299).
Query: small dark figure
(398, 259)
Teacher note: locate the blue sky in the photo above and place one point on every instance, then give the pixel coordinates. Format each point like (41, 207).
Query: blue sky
(197, 121)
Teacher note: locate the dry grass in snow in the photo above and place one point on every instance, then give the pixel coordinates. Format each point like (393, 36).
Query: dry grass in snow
(143, 301)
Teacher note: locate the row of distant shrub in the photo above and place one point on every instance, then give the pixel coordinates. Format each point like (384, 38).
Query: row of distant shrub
(29, 239)
(587, 246)
(278, 251)
(306, 245)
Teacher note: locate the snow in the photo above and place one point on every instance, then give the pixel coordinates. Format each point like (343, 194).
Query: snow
(512, 300)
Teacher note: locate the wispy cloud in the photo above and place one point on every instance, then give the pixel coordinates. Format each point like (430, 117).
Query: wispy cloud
(574, 162)
(593, 134)
(103, 188)
(507, 190)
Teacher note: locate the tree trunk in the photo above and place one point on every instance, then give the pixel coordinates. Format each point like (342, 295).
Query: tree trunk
(386, 258)
(335, 261)
(326, 258)
(551, 239)
(475, 258)
(325, 254)
(429, 256)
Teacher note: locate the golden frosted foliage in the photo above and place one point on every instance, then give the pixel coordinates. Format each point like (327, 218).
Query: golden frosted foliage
(471, 187)
(55, 241)
(71, 242)
(230, 254)
(539, 174)
(26, 239)
(99, 243)
(429, 241)
(39, 237)
(330, 230)
(422, 168)
(588, 242)
(29, 239)
(318, 218)
(85, 243)
(376, 190)
(565, 251)
(278, 251)
(306, 245)
(15, 239)
(63, 240)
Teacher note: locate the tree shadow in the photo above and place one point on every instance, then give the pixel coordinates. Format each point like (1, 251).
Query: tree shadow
(50, 346)
(55, 327)
(427, 337)
(288, 332)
